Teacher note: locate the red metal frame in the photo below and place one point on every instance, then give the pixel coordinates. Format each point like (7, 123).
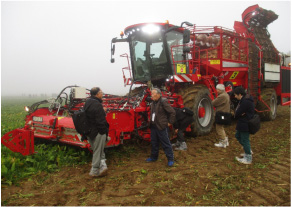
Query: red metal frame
(19, 140)
(127, 80)
(125, 122)
(128, 117)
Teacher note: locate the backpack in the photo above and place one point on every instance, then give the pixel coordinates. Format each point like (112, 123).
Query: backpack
(254, 124)
(80, 122)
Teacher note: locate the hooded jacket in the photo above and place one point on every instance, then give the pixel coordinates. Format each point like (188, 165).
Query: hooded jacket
(244, 112)
(96, 116)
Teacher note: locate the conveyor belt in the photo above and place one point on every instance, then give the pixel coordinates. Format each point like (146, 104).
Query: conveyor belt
(258, 24)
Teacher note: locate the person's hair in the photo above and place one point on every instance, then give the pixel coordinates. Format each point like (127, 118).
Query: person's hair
(157, 91)
(239, 90)
(94, 91)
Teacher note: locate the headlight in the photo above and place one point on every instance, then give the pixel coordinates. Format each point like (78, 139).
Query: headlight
(26, 108)
(150, 29)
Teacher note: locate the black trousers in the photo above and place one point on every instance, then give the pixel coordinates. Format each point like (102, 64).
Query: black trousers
(160, 136)
(180, 135)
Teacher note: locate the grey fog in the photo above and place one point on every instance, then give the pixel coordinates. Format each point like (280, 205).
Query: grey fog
(48, 45)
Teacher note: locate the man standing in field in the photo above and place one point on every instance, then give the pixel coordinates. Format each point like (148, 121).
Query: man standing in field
(162, 116)
(99, 129)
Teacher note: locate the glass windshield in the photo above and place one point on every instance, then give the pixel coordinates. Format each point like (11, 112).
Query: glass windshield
(149, 57)
(174, 39)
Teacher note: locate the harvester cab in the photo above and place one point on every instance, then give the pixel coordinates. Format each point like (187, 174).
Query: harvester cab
(154, 49)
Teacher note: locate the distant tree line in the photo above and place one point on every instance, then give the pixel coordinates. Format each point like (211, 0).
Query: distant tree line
(42, 95)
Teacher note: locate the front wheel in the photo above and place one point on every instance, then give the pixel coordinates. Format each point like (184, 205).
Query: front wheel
(197, 98)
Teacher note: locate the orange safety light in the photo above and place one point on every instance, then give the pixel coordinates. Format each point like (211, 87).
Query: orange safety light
(122, 34)
(166, 22)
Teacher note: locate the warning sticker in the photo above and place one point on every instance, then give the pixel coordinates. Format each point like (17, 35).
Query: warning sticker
(214, 62)
(181, 68)
(234, 74)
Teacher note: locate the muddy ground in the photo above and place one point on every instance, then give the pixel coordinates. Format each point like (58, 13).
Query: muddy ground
(203, 175)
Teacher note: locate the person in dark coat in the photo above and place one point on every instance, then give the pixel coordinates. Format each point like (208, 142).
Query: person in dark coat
(161, 117)
(183, 118)
(243, 113)
(96, 117)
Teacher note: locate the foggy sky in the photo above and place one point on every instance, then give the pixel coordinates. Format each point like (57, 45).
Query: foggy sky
(46, 46)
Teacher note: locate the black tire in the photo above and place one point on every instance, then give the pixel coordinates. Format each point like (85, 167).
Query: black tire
(196, 96)
(269, 96)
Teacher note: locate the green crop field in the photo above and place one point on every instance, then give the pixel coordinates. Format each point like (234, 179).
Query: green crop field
(49, 157)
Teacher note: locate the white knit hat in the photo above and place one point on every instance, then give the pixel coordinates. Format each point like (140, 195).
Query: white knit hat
(220, 87)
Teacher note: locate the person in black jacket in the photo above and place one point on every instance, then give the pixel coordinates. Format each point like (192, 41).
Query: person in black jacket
(243, 112)
(96, 117)
(183, 118)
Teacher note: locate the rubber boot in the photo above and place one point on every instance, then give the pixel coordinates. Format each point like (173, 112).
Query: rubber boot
(102, 168)
(177, 144)
(221, 143)
(247, 159)
(226, 141)
(242, 154)
(94, 172)
(183, 146)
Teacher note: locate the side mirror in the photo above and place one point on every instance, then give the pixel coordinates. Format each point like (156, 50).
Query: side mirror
(186, 36)
(113, 46)
(113, 49)
(112, 53)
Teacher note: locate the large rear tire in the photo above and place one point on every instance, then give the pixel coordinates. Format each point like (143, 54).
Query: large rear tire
(269, 96)
(196, 97)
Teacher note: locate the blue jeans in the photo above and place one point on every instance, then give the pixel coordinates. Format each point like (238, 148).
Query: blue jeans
(243, 139)
(160, 136)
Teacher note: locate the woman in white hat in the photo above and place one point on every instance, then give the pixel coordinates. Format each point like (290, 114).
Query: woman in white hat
(222, 105)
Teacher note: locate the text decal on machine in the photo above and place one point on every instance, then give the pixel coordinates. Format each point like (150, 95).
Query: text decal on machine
(214, 62)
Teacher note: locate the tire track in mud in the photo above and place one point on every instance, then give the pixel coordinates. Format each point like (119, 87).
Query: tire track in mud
(276, 187)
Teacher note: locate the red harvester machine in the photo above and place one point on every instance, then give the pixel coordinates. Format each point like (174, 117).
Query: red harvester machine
(186, 63)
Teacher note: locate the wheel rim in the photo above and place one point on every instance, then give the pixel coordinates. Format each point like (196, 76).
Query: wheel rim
(206, 105)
